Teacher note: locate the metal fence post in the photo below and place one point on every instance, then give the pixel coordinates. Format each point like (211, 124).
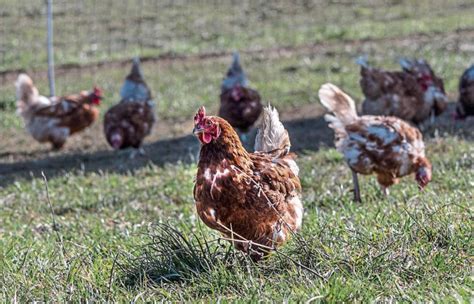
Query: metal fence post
(49, 42)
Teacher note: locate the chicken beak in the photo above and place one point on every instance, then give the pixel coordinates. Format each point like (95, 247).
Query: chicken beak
(197, 130)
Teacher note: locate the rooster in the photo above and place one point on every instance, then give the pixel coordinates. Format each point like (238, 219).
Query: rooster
(127, 123)
(55, 119)
(414, 94)
(384, 145)
(466, 94)
(240, 105)
(253, 199)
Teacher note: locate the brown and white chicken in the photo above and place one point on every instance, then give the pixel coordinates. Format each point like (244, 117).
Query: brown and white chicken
(127, 123)
(414, 94)
(240, 105)
(253, 199)
(55, 119)
(466, 94)
(382, 145)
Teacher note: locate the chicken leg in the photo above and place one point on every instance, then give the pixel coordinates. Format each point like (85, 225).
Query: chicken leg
(355, 181)
(385, 191)
(137, 152)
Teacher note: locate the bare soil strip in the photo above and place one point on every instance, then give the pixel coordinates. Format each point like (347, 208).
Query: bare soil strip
(319, 47)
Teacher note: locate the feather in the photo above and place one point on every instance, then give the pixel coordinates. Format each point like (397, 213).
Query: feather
(28, 96)
(384, 145)
(469, 73)
(56, 118)
(338, 102)
(271, 135)
(253, 199)
(25, 90)
(235, 74)
(134, 87)
(406, 63)
(127, 123)
(363, 61)
(466, 94)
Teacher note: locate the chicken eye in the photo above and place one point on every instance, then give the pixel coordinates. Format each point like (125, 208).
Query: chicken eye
(208, 123)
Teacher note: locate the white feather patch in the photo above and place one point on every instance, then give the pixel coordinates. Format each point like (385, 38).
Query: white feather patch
(295, 201)
(272, 134)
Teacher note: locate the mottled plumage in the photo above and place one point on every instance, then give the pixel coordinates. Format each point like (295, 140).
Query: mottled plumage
(466, 93)
(55, 119)
(386, 146)
(127, 123)
(412, 94)
(240, 105)
(247, 196)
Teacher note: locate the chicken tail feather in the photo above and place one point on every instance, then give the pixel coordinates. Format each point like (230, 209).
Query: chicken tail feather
(363, 61)
(25, 89)
(339, 103)
(135, 87)
(136, 71)
(271, 134)
(26, 93)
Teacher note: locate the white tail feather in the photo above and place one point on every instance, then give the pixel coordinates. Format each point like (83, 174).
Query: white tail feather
(271, 135)
(25, 89)
(337, 102)
(27, 95)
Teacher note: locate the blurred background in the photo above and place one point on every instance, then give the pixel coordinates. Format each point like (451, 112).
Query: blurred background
(288, 48)
(90, 234)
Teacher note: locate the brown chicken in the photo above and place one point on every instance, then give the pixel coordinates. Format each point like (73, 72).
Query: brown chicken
(384, 145)
(466, 94)
(414, 94)
(253, 199)
(55, 119)
(240, 105)
(127, 123)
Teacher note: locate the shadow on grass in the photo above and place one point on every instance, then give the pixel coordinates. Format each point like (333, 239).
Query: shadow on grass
(306, 134)
(183, 255)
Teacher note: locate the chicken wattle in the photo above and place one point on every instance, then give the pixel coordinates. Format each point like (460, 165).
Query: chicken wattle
(253, 199)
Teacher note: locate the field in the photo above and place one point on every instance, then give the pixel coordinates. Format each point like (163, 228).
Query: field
(107, 228)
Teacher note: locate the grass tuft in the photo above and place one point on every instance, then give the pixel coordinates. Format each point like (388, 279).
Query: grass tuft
(174, 255)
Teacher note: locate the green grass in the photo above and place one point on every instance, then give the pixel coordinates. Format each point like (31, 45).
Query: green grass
(116, 30)
(135, 236)
(285, 81)
(413, 246)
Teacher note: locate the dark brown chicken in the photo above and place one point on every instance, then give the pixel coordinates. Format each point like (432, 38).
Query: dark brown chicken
(386, 146)
(253, 199)
(240, 105)
(466, 94)
(55, 119)
(414, 94)
(127, 123)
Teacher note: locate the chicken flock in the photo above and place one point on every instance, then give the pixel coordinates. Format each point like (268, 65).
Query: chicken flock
(254, 198)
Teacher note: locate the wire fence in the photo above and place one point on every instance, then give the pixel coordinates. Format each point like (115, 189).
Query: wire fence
(85, 30)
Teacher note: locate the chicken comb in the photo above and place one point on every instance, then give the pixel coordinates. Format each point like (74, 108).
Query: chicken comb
(200, 114)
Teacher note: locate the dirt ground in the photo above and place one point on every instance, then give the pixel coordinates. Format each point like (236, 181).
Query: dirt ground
(172, 142)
